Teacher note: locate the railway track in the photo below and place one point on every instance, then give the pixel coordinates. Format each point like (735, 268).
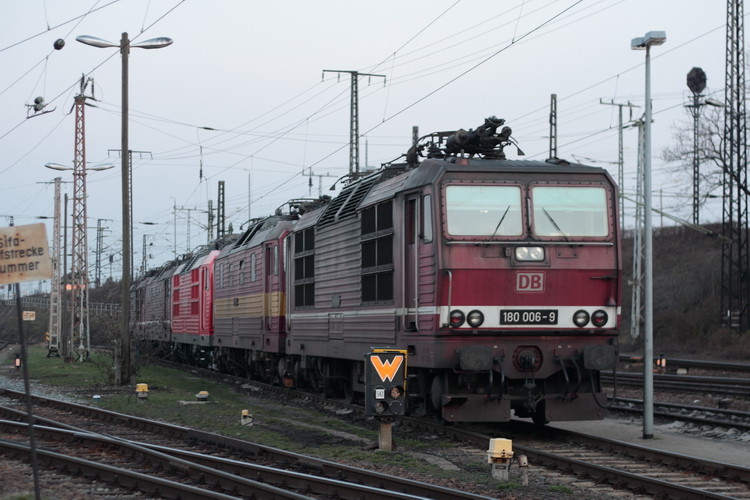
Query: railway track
(604, 462)
(639, 469)
(717, 366)
(716, 393)
(700, 415)
(725, 386)
(177, 455)
(622, 465)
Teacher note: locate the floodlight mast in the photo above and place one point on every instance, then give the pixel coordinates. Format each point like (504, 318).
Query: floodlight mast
(123, 366)
(652, 38)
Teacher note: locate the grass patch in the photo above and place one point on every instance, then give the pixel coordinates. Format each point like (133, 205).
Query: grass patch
(508, 485)
(167, 388)
(561, 489)
(56, 372)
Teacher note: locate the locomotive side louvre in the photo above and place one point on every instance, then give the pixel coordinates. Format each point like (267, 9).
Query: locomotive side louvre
(354, 301)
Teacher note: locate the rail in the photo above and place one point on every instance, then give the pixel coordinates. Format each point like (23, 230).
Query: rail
(693, 363)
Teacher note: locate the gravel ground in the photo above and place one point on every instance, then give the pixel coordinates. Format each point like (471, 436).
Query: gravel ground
(544, 484)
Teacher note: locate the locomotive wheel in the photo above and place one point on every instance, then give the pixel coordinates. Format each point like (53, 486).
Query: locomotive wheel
(317, 382)
(350, 395)
(297, 374)
(540, 415)
(437, 389)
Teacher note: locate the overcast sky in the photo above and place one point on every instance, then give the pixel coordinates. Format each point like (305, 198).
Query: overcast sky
(252, 73)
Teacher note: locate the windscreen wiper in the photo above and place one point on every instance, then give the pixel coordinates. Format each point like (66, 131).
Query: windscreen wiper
(500, 222)
(554, 223)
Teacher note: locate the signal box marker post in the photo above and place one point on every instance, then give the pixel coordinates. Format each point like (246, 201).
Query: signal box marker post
(385, 390)
(24, 256)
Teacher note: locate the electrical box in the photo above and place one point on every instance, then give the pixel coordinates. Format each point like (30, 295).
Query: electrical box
(385, 382)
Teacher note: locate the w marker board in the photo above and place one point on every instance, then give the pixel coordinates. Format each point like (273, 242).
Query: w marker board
(24, 254)
(385, 382)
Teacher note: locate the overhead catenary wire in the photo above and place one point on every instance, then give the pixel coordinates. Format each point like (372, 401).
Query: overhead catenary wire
(235, 147)
(76, 18)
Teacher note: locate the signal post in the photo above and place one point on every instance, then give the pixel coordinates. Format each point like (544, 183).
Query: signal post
(385, 390)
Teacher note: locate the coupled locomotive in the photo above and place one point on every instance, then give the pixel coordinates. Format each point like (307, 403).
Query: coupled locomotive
(500, 279)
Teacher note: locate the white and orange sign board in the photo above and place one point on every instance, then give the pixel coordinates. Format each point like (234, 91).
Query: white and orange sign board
(24, 254)
(387, 369)
(386, 365)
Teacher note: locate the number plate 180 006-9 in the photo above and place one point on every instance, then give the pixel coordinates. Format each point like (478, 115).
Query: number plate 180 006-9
(528, 317)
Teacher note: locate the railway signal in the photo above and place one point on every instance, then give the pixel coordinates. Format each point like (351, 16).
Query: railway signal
(385, 375)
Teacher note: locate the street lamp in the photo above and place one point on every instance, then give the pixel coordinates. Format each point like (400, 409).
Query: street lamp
(79, 326)
(57, 166)
(123, 371)
(652, 38)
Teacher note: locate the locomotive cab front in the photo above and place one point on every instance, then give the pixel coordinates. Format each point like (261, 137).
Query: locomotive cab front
(528, 290)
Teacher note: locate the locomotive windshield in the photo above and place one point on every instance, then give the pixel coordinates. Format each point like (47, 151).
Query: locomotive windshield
(481, 210)
(569, 211)
(485, 211)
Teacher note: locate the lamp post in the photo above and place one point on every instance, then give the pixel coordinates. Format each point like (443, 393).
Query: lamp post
(79, 326)
(652, 38)
(123, 371)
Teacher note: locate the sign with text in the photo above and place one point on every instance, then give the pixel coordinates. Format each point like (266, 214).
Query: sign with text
(24, 254)
(529, 282)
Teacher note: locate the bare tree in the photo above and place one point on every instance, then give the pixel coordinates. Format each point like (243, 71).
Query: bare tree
(710, 143)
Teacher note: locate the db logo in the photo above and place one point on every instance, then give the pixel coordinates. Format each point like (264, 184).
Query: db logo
(530, 282)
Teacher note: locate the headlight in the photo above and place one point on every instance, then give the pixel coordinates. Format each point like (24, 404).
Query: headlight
(533, 254)
(456, 318)
(581, 318)
(475, 318)
(599, 318)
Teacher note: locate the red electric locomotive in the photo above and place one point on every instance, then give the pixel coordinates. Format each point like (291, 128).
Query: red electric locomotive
(500, 279)
(192, 300)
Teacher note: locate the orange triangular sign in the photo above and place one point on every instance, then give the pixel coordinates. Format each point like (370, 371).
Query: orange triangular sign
(387, 370)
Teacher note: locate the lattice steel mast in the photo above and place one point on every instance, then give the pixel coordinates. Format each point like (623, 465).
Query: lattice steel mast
(354, 118)
(79, 282)
(221, 216)
(55, 299)
(735, 296)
